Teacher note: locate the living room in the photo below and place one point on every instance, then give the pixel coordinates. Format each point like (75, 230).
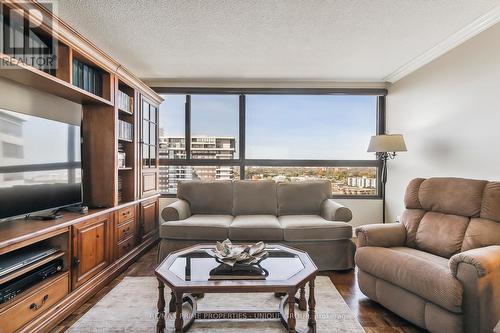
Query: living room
(249, 166)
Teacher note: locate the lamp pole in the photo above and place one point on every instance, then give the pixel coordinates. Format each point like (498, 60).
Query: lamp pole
(384, 156)
(385, 147)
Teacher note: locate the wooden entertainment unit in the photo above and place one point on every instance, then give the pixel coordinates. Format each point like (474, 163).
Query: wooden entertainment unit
(123, 223)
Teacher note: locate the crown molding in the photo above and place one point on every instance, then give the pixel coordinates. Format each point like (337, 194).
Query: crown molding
(471, 30)
(261, 83)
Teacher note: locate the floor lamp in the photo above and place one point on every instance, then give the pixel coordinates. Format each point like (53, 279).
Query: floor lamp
(386, 146)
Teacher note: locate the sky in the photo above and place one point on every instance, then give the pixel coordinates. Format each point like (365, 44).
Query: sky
(281, 126)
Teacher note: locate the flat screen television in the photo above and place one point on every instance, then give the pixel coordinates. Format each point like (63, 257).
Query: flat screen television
(40, 164)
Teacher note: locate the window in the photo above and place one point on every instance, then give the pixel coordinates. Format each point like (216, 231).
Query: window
(317, 127)
(148, 138)
(345, 181)
(275, 134)
(214, 126)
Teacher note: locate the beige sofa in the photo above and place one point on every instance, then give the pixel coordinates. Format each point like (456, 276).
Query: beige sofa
(299, 214)
(439, 268)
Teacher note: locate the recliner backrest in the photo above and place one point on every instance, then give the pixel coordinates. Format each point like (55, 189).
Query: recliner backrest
(445, 216)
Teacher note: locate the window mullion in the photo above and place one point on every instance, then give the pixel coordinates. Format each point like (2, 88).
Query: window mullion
(242, 135)
(187, 114)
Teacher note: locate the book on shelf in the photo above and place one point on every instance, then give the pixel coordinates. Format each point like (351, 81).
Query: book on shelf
(125, 102)
(120, 188)
(125, 130)
(87, 77)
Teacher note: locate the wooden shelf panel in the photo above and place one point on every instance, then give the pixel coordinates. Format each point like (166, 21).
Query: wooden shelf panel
(125, 140)
(125, 168)
(31, 267)
(40, 80)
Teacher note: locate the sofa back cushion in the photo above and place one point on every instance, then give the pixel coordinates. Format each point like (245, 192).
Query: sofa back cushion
(481, 232)
(452, 196)
(302, 198)
(206, 197)
(441, 234)
(445, 216)
(255, 197)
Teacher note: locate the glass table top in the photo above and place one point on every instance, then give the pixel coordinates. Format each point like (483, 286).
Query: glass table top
(196, 265)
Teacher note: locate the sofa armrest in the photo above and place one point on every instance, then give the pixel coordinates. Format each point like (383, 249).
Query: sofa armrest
(479, 272)
(485, 260)
(178, 210)
(333, 211)
(383, 235)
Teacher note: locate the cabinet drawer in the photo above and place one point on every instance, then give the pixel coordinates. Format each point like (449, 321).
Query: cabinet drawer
(125, 214)
(125, 246)
(32, 306)
(125, 230)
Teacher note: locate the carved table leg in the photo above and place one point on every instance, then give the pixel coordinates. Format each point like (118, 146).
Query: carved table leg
(171, 304)
(179, 322)
(160, 326)
(291, 311)
(303, 302)
(312, 308)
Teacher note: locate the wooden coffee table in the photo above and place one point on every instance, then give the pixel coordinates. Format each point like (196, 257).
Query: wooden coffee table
(186, 273)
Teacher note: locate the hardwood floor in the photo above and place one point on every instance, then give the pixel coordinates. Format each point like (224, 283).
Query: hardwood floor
(373, 317)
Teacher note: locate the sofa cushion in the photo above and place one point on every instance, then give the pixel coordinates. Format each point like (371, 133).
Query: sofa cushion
(421, 273)
(490, 207)
(256, 228)
(411, 195)
(411, 220)
(441, 234)
(199, 227)
(313, 228)
(481, 233)
(455, 196)
(302, 197)
(255, 197)
(207, 197)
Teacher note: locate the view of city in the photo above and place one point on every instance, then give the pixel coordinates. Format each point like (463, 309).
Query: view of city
(277, 127)
(345, 180)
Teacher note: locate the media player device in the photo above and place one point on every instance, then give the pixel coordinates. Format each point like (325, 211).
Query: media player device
(12, 288)
(18, 259)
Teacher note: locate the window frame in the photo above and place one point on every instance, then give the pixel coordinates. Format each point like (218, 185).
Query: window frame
(243, 162)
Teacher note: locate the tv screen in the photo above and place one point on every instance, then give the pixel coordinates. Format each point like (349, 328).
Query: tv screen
(40, 164)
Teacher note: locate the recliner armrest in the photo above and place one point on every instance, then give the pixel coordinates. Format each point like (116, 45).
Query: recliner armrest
(484, 259)
(176, 211)
(333, 211)
(382, 235)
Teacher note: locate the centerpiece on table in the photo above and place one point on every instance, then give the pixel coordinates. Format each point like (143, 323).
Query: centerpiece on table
(238, 261)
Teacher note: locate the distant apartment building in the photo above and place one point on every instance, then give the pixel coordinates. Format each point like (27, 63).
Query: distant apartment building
(362, 182)
(11, 145)
(202, 147)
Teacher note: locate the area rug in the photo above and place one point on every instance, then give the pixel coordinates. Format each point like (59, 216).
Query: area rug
(131, 307)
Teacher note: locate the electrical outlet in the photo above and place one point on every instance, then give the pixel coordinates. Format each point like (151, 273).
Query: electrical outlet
(398, 219)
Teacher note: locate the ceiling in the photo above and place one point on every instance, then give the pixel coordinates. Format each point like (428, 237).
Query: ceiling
(323, 40)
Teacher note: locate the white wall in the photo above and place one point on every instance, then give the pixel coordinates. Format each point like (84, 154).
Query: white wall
(365, 211)
(449, 112)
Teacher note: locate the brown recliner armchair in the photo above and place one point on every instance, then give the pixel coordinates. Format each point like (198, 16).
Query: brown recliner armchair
(440, 267)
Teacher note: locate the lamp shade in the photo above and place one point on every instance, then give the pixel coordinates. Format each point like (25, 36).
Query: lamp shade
(387, 143)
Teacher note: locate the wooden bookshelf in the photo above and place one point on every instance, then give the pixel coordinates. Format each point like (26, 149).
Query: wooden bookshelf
(82, 237)
(43, 81)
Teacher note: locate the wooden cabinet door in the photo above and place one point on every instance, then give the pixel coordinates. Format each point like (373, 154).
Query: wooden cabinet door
(91, 248)
(149, 219)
